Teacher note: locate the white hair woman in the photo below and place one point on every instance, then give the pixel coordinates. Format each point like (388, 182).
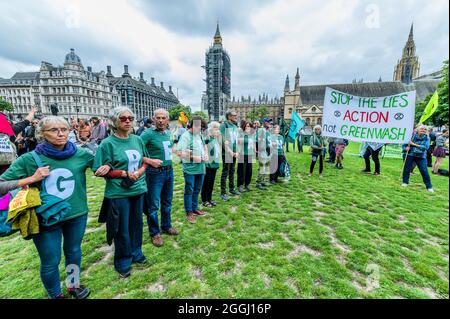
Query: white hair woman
(417, 153)
(214, 152)
(125, 152)
(318, 149)
(58, 167)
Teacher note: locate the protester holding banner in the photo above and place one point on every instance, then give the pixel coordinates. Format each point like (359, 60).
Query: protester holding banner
(57, 167)
(417, 153)
(440, 150)
(317, 144)
(372, 149)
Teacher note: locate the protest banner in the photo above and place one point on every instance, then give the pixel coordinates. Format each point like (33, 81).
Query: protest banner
(388, 119)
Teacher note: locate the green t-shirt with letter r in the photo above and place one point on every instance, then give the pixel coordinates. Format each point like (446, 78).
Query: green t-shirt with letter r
(159, 145)
(67, 179)
(122, 154)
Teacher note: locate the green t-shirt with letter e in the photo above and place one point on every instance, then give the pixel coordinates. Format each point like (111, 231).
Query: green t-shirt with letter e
(67, 179)
(189, 141)
(122, 154)
(159, 145)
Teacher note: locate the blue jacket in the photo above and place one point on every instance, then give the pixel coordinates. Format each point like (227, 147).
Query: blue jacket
(424, 143)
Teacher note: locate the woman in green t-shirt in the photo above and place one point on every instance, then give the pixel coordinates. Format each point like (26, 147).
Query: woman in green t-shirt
(63, 175)
(247, 146)
(278, 157)
(125, 152)
(194, 154)
(215, 158)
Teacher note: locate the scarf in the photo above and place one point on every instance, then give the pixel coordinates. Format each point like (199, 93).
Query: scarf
(48, 150)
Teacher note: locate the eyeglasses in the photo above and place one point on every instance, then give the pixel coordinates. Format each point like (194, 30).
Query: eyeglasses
(125, 118)
(57, 130)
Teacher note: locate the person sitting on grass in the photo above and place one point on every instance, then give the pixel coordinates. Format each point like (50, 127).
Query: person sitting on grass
(123, 151)
(318, 150)
(372, 149)
(194, 154)
(440, 150)
(212, 165)
(417, 153)
(57, 167)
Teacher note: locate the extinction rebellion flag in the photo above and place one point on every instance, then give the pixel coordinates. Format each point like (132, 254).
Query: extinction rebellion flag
(388, 119)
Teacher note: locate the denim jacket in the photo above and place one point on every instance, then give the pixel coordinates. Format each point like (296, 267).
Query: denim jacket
(424, 143)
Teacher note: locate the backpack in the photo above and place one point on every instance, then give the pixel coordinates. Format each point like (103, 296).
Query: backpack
(8, 153)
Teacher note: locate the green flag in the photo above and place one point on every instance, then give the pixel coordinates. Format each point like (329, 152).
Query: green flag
(430, 108)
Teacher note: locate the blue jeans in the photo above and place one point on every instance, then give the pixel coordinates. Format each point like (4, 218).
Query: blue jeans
(192, 188)
(48, 244)
(128, 241)
(160, 193)
(422, 165)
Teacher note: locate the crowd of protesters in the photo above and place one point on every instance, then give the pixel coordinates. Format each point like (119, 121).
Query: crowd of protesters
(138, 167)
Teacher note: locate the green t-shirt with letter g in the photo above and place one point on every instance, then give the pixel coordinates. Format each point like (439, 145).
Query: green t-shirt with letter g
(67, 179)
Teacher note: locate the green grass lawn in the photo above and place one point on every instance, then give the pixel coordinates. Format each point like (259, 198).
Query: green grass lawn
(308, 238)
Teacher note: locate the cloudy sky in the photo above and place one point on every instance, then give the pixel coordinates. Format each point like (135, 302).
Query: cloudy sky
(331, 41)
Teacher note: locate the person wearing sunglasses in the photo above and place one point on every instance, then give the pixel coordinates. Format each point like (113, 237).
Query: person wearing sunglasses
(61, 173)
(123, 151)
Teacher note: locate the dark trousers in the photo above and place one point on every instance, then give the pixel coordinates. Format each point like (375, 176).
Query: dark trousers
(313, 163)
(430, 156)
(227, 171)
(48, 244)
(300, 146)
(244, 170)
(422, 165)
(159, 194)
(332, 152)
(128, 241)
(370, 152)
(275, 164)
(208, 184)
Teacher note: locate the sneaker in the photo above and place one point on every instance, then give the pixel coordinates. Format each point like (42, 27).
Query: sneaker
(125, 274)
(365, 171)
(241, 189)
(79, 293)
(141, 261)
(404, 185)
(225, 197)
(207, 204)
(376, 174)
(248, 189)
(309, 174)
(60, 296)
(171, 231)
(430, 190)
(157, 240)
(199, 212)
(214, 204)
(273, 182)
(340, 166)
(235, 192)
(191, 218)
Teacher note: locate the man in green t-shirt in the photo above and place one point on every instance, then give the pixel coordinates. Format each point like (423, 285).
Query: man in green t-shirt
(159, 176)
(194, 154)
(229, 132)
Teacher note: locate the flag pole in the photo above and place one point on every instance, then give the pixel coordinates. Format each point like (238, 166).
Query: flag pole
(404, 162)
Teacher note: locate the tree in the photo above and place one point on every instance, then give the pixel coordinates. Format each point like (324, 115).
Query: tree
(174, 112)
(5, 106)
(258, 113)
(201, 114)
(440, 117)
